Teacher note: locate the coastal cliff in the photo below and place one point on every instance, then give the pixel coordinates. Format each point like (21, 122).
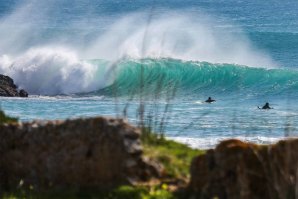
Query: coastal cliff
(9, 89)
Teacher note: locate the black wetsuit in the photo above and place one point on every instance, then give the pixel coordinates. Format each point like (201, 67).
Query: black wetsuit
(209, 100)
(266, 106)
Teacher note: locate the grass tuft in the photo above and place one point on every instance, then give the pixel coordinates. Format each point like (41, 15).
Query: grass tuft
(175, 157)
(6, 119)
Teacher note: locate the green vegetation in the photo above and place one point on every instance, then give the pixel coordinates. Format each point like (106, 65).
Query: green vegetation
(123, 192)
(174, 157)
(6, 119)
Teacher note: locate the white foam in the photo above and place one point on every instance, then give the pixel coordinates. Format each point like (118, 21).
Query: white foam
(66, 97)
(199, 102)
(51, 71)
(211, 142)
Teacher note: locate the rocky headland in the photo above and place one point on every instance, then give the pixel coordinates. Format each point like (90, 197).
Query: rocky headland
(9, 89)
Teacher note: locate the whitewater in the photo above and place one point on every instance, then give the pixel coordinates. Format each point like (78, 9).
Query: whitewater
(91, 58)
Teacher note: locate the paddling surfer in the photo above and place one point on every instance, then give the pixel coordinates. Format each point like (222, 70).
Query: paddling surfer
(210, 100)
(266, 106)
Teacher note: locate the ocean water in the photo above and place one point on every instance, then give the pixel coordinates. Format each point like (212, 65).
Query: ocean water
(85, 58)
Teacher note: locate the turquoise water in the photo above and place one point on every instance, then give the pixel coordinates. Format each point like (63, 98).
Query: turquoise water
(90, 58)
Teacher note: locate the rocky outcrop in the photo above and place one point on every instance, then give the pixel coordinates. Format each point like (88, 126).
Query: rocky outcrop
(23, 93)
(235, 169)
(9, 89)
(98, 152)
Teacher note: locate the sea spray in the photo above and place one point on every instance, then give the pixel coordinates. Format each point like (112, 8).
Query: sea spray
(53, 71)
(176, 35)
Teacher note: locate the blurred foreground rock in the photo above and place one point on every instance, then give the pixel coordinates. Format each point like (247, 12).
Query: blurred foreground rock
(239, 170)
(9, 89)
(82, 153)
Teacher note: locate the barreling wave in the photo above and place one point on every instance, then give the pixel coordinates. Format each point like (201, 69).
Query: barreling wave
(59, 71)
(158, 76)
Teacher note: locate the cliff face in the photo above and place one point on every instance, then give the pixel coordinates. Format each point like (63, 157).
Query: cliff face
(9, 89)
(235, 169)
(96, 152)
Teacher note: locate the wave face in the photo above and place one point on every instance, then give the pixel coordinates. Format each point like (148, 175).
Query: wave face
(193, 78)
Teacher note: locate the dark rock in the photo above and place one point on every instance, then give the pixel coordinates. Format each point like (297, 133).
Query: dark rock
(93, 152)
(23, 93)
(235, 169)
(9, 89)
(7, 81)
(6, 91)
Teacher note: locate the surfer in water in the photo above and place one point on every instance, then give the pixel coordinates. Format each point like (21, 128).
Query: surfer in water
(266, 106)
(210, 100)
